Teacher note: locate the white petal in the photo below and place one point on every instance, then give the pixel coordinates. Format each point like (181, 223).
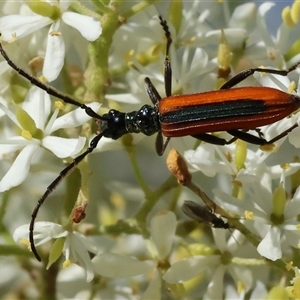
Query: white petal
(54, 57)
(153, 290)
(292, 236)
(260, 291)
(48, 127)
(72, 273)
(220, 238)
(204, 159)
(46, 231)
(199, 61)
(64, 5)
(38, 105)
(294, 137)
(21, 232)
(215, 287)
(62, 147)
(51, 227)
(261, 23)
(116, 266)
(241, 274)
(124, 98)
(74, 118)
(88, 244)
(21, 25)
(291, 209)
(45, 234)
(234, 36)
(79, 146)
(81, 255)
(10, 114)
(19, 169)
(269, 247)
(276, 170)
(243, 16)
(89, 27)
(162, 228)
(107, 144)
(2, 101)
(12, 144)
(273, 81)
(190, 267)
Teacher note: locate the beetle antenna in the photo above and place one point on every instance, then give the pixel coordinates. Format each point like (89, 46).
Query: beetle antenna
(93, 144)
(165, 27)
(66, 171)
(167, 67)
(47, 88)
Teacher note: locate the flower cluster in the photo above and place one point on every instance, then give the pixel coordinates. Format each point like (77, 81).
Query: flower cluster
(120, 237)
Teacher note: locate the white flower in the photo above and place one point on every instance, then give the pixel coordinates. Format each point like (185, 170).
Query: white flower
(162, 229)
(134, 250)
(282, 83)
(211, 159)
(32, 122)
(293, 290)
(278, 45)
(53, 13)
(259, 292)
(279, 235)
(275, 219)
(215, 265)
(117, 266)
(74, 245)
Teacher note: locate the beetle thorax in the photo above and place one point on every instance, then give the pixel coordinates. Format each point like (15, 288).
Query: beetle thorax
(145, 120)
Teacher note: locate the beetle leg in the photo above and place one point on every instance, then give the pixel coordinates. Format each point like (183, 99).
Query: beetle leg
(247, 137)
(212, 139)
(160, 144)
(246, 73)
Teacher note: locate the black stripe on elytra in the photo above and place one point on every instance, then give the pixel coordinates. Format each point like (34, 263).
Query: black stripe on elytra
(213, 111)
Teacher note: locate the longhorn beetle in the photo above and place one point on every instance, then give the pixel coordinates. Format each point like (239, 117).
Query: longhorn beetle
(234, 110)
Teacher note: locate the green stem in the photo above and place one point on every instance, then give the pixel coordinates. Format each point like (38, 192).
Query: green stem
(7, 250)
(128, 226)
(130, 149)
(153, 197)
(232, 221)
(5, 234)
(101, 7)
(4, 202)
(85, 176)
(214, 207)
(97, 76)
(138, 8)
(80, 8)
(248, 261)
(50, 279)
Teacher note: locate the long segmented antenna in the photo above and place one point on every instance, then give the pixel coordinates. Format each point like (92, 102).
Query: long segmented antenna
(93, 144)
(54, 184)
(47, 88)
(113, 124)
(167, 68)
